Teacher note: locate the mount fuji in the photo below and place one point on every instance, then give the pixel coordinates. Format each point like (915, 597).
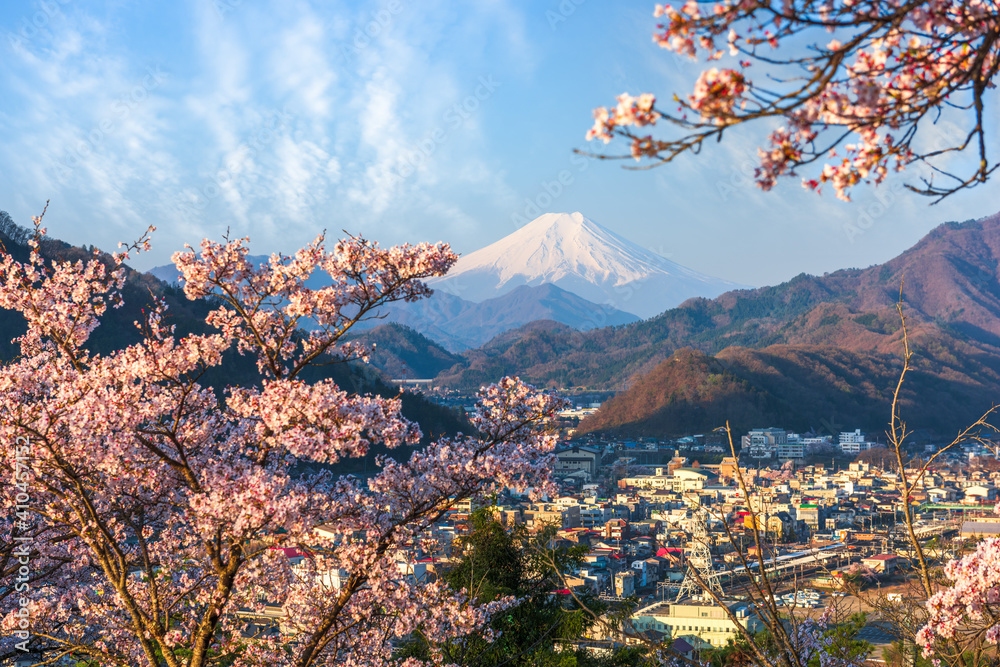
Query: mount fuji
(560, 266)
(578, 255)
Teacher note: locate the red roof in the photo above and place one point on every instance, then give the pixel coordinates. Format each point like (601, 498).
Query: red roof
(290, 552)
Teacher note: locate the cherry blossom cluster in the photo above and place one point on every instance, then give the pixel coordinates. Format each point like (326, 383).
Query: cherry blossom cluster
(873, 94)
(969, 605)
(70, 299)
(263, 307)
(637, 111)
(716, 93)
(174, 523)
(319, 421)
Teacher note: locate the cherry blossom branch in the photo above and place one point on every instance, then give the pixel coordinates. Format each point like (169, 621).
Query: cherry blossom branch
(901, 62)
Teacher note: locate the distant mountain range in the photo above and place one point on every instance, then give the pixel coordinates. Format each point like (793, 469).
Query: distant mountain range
(457, 324)
(824, 338)
(811, 353)
(951, 289)
(561, 266)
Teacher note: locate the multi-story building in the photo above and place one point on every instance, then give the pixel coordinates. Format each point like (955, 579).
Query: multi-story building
(617, 529)
(680, 480)
(728, 468)
(762, 443)
(542, 514)
(624, 584)
(594, 516)
(577, 458)
(704, 622)
(854, 442)
(790, 450)
(779, 524)
(813, 515)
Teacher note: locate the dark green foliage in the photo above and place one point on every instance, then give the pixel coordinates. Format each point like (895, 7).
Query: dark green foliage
(495, 562)
(845, 647)
(401, 352)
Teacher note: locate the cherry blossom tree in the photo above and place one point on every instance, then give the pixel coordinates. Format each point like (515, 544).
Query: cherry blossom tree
(848, 89)
(966, 614)
(157, 521)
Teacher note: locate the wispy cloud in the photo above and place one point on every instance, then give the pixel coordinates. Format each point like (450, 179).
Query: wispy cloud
(275, 119)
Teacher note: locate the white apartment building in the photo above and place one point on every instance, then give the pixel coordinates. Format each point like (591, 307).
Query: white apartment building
(682, 480)
(595, 516)
(854, 442)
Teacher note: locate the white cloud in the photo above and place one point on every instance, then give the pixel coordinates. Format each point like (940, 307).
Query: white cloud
(300, 64)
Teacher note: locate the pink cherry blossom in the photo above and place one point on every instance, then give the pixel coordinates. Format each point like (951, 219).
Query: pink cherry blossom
(969, 606)
(872, 97)
(159, 513)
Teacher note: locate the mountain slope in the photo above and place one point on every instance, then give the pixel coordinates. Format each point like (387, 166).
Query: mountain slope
(400, 352)
(459, 324)
(951, 293)
(801, 387)
(582, 257)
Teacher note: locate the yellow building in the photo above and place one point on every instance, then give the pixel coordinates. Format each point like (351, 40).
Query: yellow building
(695, 621)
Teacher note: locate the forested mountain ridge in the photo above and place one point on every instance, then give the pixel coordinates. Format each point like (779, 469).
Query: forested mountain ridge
(951, 294)
(816, 348)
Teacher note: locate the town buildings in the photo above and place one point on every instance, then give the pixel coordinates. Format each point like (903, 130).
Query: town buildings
(645, 512)
(699, 623)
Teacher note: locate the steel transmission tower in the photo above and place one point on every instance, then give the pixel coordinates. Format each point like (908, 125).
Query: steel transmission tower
(699, 557)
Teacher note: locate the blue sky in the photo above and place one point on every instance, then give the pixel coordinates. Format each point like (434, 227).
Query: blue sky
(399, 121)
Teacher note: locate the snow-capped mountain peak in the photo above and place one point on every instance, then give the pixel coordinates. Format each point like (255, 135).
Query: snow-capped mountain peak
(579, 255)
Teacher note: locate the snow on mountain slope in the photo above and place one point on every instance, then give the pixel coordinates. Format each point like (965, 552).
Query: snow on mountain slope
(580, 256)
(458, 324)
